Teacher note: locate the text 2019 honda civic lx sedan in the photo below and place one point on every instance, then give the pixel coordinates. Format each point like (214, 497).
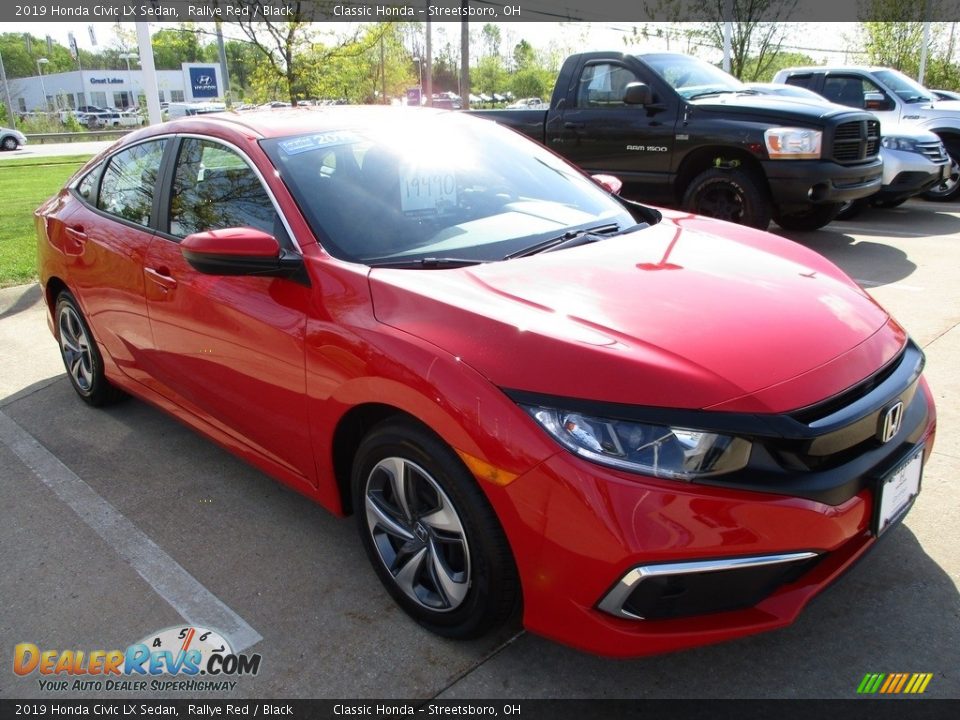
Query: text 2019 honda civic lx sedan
(650, 430)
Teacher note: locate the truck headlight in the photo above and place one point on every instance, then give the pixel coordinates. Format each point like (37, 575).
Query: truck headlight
(793, 143)
(658, 450)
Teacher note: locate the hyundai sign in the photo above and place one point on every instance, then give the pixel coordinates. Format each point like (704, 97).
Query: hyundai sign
(203, 82)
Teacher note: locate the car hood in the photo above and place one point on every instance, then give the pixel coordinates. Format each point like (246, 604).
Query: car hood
(779, 109)
(690, 313)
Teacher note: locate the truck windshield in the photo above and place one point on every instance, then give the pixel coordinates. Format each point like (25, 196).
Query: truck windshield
(415, 187)
(692, 77)
(906, 89)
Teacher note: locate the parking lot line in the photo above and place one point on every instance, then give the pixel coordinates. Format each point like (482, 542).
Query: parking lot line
(166, 576)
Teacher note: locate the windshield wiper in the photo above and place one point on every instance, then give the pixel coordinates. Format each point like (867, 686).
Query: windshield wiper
(568, 239)
(429, 263)
(707, 93)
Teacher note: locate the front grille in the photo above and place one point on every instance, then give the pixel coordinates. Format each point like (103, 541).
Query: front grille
(856, 141)
(933, 151)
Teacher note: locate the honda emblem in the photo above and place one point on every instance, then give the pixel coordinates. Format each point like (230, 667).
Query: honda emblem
(890, 422)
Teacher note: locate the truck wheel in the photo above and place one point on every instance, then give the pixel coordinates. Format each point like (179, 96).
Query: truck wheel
(850, 209)
(811, 217)
(949, 188)
(731, 195)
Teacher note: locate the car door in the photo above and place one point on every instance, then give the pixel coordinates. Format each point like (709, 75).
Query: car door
(599, 132)
(107, 233)
(230, 349)
(858, 91)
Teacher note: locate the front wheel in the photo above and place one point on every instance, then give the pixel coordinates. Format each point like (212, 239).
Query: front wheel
(81, 356)
(430, 532)
(851, 209)
(810, 217)
(728, 194)
(10, 143)
(949, 188)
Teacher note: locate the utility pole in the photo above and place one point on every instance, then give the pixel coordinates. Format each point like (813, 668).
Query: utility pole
(149, 72)
(428, 90)
(383, 73)
(465, 56)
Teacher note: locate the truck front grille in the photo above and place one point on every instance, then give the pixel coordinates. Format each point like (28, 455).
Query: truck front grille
(856, 141)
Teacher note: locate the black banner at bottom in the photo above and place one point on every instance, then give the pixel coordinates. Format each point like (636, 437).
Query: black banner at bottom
(858, 709)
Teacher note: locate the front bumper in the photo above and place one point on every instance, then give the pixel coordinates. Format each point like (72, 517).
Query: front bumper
(583, 535)
(802, 182)
(906, 174)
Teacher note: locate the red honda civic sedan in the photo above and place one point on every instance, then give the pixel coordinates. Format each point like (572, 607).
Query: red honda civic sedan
(649, 430)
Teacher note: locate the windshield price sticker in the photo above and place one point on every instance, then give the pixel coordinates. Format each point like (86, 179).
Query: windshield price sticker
(424, 191)
(295, 146)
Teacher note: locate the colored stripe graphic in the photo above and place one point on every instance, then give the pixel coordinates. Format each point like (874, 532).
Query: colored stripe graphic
(894, 683)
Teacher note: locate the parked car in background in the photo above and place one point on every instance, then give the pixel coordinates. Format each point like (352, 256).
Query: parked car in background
(894, 98)
(648, 429)
(946, 94)
(680, 131)
(186, 109)
(11, 139)
(914, 160)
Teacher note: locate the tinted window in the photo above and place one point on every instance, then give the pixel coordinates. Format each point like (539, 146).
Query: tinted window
(129, 181)
(800, 80)
(603, 85)
(214, 188)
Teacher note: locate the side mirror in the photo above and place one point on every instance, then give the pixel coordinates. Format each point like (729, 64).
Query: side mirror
(238, 251)
(638, 93)
(876, 101)
(610, 183)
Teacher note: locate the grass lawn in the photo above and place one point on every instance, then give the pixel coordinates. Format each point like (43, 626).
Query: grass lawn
(24, 184)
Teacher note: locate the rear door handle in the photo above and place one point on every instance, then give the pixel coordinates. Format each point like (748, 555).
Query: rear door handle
(574, 126)
(161, 276)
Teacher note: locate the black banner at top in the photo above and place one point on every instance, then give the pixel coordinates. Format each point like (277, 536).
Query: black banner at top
(89, 11)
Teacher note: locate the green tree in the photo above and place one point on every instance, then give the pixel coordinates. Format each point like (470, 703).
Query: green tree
(176, 45)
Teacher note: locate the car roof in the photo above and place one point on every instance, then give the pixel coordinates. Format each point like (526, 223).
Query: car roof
(283, 122)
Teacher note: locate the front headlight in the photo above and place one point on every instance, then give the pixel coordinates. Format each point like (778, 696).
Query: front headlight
(658, 450)
(893, 142)
(793, 143)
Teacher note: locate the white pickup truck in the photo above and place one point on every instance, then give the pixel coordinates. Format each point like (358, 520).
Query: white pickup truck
(895, 99)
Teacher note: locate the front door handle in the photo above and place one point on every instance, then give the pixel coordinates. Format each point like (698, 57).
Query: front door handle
(574, 125)
(162, 277)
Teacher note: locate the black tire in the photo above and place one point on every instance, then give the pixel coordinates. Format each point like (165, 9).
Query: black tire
(850, 209)
(732, 195)
(10, 143)
(81, 356)
(887, 204)
(441, 552)
(812, 217)
(949, 188)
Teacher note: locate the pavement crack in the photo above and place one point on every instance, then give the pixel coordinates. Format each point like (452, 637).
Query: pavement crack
(940, 335)
(489, 656)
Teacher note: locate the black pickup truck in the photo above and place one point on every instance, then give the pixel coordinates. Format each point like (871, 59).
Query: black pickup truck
(682, 132)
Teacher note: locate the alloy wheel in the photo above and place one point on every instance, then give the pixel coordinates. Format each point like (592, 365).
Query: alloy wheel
(76, 348)
(418, 534)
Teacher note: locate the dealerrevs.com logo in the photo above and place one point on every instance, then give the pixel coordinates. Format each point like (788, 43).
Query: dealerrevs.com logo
(189, 659)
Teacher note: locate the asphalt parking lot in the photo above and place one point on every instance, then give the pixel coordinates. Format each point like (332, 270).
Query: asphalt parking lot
(121, 522)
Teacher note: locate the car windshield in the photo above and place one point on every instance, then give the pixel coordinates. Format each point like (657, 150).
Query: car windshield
(908, 90)
(692, 77)
(444, 186)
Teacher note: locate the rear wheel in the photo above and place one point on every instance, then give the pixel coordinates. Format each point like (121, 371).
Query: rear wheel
(728, 194)
(81, 356)
(811, 217)
(430, 532)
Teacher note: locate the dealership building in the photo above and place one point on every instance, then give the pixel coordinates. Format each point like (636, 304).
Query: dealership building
(114, 88)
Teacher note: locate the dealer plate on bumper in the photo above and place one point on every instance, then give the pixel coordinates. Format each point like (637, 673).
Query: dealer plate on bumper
(896, 492)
